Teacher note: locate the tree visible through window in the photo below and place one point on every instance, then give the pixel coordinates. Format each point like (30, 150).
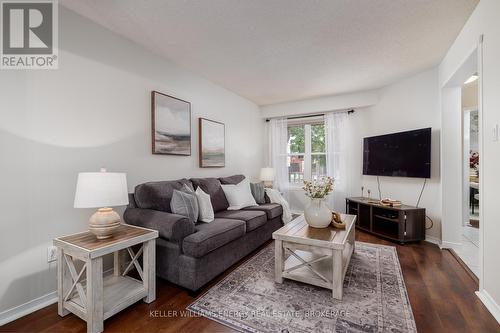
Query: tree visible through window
(306, 152)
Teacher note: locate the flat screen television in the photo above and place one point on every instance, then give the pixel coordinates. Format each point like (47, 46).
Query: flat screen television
(404, 154)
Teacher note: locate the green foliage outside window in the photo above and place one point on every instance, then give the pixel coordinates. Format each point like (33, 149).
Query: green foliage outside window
(296, 135)
(296, 138)
(318, 138)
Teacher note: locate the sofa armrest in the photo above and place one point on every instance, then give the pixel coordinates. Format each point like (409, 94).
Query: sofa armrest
(171, 227)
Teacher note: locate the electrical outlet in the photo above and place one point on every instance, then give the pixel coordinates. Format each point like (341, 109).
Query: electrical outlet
(51, 253)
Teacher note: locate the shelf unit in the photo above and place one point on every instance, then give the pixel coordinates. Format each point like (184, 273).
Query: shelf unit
(400, 224)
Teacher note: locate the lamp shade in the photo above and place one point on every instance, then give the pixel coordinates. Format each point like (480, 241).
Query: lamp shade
(267, 174)
(101, 189)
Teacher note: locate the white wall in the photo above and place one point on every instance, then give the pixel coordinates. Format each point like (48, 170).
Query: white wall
(484, 20)
(321, 104)
(94, 111)
(411, 103)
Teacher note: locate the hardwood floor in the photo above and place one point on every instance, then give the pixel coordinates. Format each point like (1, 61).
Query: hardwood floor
(441, 294)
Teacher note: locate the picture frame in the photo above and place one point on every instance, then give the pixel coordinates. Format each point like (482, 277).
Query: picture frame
(212, 143)
(170, 125)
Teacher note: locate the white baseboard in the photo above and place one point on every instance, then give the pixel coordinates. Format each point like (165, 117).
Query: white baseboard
(36, 304)
(433, 240)
(27, 308)
(450, 245)
(490, 303)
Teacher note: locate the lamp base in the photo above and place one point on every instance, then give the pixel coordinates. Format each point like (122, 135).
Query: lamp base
(104, 222)
(268, 184)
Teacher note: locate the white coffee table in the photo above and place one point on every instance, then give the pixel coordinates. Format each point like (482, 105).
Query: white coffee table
(315, 256)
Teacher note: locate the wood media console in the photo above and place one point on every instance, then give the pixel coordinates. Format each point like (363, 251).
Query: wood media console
(400, 224)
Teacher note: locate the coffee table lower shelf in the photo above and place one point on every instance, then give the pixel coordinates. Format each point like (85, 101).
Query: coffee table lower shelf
(323, 267)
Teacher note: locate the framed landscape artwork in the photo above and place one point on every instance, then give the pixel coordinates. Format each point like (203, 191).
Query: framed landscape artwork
(212, 144)
(171, 125)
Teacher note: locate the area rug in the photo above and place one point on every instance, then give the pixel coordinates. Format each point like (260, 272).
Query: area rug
(375, 297)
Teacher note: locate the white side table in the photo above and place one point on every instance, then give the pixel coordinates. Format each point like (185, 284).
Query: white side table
(82, 288)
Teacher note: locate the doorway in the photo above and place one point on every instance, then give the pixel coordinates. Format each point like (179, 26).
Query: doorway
(462, 136)
(469, 250)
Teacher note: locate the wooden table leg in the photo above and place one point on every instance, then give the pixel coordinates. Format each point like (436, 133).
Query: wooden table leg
(117, 263)
(337, 282)
(148, 267)
(63, 283)
(95, 315)
(279, 261)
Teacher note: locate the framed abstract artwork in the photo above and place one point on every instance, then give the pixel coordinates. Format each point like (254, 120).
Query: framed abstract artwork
(212, 147)
(171, 125)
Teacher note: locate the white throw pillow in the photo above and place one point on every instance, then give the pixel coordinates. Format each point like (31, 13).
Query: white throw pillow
(206, 211)
(239, 196)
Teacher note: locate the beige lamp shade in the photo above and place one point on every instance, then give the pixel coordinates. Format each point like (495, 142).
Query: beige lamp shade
(105, 190)
(267, 174)
(101, 189)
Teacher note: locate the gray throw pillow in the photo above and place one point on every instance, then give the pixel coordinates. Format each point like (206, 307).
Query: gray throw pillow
(185, 204)
(258, 192)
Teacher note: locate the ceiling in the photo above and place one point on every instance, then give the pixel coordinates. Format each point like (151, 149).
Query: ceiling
(272, 51)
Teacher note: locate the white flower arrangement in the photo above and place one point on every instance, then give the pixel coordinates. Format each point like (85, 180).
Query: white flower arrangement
(318, 189)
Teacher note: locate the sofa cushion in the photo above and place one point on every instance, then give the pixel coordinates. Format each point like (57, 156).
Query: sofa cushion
(157, 195)
(253, 219)
(170, 226)
(231, 180)
(211, 236)
(271, 209)
(212, 187)
(258, 192)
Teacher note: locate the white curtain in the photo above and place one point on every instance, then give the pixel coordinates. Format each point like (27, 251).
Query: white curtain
(337, 153)
(278, 143)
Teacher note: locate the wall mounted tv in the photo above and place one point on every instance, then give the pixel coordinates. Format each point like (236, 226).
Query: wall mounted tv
(404, 154)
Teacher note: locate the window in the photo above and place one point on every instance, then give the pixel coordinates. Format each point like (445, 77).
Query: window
(306, 151)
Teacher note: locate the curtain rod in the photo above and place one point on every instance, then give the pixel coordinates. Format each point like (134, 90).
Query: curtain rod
(311, 115)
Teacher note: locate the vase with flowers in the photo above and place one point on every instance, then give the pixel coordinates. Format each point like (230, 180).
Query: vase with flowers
(474, 166)
(317, 214)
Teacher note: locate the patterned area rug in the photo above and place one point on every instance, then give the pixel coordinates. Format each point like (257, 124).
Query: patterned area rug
(375, 297)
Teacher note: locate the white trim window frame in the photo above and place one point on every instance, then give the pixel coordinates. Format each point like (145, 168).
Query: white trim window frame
(307, 154)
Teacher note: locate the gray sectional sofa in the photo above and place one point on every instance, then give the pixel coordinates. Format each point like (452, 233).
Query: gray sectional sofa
(190, 255)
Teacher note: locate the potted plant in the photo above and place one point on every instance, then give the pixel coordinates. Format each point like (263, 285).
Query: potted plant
(317, 214)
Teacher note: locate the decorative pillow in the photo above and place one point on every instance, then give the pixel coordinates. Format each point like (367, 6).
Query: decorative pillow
(239, 196)
(185, 204)
(258, 192)
(205, 204)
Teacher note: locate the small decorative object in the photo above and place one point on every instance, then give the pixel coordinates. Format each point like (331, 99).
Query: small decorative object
(362, 191)
(390, 202)
(171, 125)
(267, 176)
(211, 144)
(102, 189)
(317, 214)
(337, 221)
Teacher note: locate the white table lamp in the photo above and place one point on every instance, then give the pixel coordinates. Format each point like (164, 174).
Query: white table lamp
(102, 190)
(267, 176)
